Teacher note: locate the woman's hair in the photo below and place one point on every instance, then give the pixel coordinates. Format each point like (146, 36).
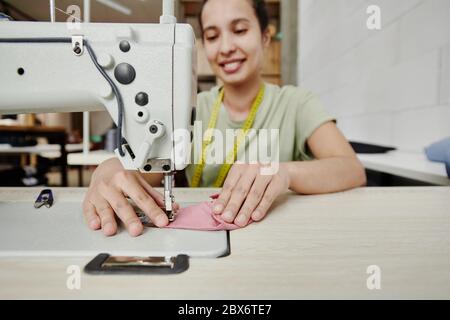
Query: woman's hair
(260, 10)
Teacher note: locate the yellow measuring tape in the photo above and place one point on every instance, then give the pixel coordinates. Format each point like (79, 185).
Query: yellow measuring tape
(231, 156)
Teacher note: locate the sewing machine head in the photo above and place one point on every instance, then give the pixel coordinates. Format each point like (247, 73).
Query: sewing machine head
(143, 74)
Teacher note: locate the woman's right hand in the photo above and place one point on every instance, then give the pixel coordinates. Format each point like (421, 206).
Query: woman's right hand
(106, 196)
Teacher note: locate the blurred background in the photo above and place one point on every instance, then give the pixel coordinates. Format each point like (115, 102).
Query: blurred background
(389, 87)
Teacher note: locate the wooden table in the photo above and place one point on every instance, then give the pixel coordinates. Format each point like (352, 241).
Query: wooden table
(308, 247)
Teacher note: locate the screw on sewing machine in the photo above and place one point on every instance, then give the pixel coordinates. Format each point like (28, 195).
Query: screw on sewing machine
(153, 129)
(77, 48)
(77, 45)
(45, 198)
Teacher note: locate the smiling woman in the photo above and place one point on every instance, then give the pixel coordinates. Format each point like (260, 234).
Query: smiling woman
(245, 27)
(312, 155)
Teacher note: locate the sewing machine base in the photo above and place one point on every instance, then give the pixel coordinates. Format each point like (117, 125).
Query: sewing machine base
(61, 231)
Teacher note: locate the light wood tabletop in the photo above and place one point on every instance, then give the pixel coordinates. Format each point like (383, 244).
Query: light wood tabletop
(308, 247)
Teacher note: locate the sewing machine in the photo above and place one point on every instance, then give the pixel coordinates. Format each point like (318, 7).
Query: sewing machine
(143, 74)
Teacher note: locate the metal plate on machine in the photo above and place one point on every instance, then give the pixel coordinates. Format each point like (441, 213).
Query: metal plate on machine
(61, 231)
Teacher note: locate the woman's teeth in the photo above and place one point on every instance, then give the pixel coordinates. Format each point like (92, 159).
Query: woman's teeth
(232, 67)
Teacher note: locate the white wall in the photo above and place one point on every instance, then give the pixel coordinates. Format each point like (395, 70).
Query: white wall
(390, 86)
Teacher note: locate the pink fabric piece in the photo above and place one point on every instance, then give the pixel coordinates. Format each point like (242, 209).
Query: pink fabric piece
(201, 217)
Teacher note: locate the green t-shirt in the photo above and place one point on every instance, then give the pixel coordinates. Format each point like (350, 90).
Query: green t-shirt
(289, 112)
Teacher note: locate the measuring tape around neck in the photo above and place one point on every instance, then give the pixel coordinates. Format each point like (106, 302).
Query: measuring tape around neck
(231, 156)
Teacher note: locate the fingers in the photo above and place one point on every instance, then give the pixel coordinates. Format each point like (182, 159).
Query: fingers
(238, 195)
(264, 205)
(142, 196)
(148, 205)
(254, 197)
(108, 198)
(90, 215)
(106, 214)
(123, 209)
(225, 195)
(157, 196)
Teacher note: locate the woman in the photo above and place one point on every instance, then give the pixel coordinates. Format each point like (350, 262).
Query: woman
(235, 35)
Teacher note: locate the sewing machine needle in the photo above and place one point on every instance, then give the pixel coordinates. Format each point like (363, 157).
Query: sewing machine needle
(168, 196)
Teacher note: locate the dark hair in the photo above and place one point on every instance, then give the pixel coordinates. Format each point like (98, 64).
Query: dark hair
(260, 10)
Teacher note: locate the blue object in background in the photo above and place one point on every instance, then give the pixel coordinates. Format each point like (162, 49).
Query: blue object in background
(4, 16)
(440, 152)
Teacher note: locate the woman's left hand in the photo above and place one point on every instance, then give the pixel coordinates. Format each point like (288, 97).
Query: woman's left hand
(249, 190)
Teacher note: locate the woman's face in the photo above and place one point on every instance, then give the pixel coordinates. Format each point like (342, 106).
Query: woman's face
(232, 39)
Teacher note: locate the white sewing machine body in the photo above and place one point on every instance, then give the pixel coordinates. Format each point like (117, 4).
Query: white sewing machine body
(51, 77)
(145, 76)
